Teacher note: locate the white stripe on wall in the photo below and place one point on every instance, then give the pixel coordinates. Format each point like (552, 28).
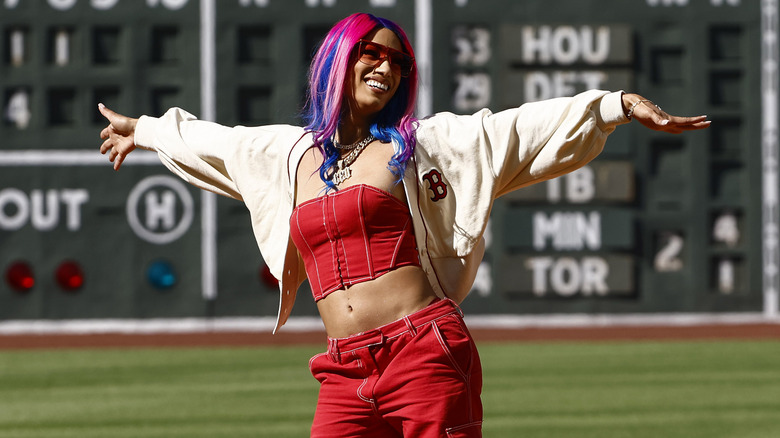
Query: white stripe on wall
(770, 208)
(313, 323)
(76, 157)
(423, 30)
(208, 104)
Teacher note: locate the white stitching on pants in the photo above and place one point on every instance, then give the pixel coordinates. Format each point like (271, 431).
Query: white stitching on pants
(449, 430)
(466, 377)
(360, 388)
(411, 328)
(446, 349)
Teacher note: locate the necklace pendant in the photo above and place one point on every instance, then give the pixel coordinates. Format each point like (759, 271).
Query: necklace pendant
(343, 171)
(342, 175)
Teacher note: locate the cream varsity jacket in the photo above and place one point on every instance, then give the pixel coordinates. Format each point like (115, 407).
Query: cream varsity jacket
(461, 165)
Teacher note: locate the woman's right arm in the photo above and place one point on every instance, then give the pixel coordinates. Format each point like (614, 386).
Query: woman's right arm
(195, 150)
(239, 162)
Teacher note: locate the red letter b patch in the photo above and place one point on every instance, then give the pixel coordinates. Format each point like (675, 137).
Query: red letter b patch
(438, 187)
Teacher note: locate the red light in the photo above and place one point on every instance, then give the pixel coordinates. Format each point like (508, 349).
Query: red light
(20, 276)
(69, 276)
(267, 278)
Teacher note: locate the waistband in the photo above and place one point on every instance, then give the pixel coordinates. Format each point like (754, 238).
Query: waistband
(438, 308)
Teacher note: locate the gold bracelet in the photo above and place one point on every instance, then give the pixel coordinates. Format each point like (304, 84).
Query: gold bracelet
(631, 110)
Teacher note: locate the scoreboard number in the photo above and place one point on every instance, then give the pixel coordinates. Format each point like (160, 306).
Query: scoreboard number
(472, 91)
(472, 46)
(472, 55)
(667, 259)
(17, 110)
(726, 229)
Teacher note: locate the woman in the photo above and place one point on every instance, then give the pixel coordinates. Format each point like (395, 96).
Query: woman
(386, 214)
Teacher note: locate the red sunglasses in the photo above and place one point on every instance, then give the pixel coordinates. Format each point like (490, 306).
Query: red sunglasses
(371, 53)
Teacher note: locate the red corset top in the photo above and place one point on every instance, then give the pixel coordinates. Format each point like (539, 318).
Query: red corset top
(350, 236)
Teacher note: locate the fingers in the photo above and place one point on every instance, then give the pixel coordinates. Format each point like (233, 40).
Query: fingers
(116, 152)
(118, 161)
(684, 121)
(677, 125)
(119, 123)
(112, 156)
(106, 146)
(107, 113)
(687, 120)
(116, 156)
(113, 121)
(652, 116)
(112, 153)
(106, 132)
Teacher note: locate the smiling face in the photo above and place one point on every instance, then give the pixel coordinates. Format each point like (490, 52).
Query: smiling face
(372, 87)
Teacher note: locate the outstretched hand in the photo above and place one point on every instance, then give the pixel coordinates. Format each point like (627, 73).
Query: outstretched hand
(652, 116)
(118, 136)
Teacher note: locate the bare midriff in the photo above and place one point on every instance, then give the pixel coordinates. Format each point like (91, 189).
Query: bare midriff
(371, 304)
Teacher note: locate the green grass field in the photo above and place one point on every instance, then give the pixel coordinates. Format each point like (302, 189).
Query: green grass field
(605, 390)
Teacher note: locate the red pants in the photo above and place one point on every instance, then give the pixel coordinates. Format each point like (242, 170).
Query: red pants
(416, 377)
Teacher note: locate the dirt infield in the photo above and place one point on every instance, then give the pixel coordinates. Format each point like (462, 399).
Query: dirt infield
(226, 339)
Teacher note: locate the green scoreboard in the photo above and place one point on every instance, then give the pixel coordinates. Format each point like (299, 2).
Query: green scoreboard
(657, 223)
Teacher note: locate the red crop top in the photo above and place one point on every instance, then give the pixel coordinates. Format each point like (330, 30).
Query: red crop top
(350, 236)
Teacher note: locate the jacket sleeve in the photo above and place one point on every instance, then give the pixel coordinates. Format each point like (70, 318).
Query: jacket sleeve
(193, 149)
(532, 143)
(226, 160)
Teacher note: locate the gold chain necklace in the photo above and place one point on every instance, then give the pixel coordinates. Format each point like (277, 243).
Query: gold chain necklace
(343, 171)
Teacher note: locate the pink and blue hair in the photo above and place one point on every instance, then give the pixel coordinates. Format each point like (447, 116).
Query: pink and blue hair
(326, 98)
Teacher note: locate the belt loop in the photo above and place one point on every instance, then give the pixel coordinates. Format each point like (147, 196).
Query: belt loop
(410, 326)
(333, 350)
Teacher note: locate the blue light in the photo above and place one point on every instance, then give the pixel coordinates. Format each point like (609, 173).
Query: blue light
(161, 275)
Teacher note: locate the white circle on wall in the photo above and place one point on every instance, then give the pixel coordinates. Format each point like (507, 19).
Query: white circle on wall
(169, 193)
